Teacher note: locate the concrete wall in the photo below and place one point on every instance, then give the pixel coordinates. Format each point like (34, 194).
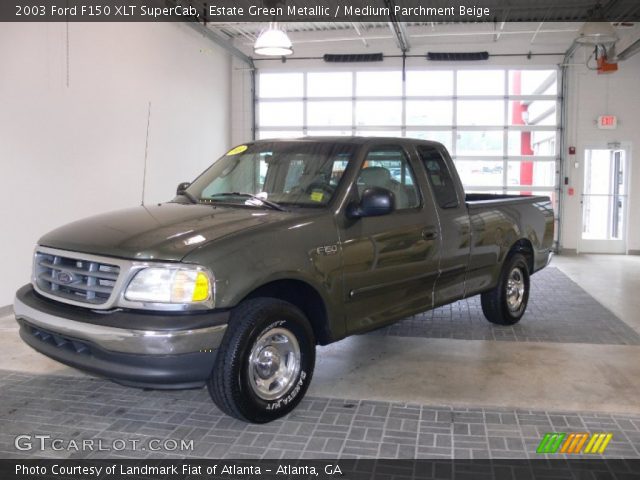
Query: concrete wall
(242, 102)
(74, 107)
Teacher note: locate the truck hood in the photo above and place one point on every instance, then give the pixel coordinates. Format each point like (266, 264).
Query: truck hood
(167, 231)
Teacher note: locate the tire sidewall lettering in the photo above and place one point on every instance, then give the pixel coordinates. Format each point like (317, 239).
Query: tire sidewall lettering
(278, 404)
(299, 387)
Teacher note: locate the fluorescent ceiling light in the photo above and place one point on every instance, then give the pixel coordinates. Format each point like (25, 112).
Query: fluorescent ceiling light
(597, 33)
(273, 42)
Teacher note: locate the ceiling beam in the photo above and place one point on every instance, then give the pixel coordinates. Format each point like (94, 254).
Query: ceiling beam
(355, 27)
(502, 24)
(606, 10)
(630, 51)
(397, 27)
(536, 34)
(223, 43)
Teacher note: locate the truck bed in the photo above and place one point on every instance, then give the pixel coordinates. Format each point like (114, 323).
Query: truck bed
(492, 199)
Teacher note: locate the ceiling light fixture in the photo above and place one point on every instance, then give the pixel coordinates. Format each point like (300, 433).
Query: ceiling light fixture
(273, 42)
(597, 33)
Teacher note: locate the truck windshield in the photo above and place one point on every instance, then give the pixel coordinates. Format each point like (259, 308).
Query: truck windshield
(274, 175)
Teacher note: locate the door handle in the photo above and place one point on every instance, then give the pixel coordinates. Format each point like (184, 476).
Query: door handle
(429, 233)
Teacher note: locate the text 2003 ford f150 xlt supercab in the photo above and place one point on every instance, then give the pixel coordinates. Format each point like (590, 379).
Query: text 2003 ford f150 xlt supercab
(279, 246)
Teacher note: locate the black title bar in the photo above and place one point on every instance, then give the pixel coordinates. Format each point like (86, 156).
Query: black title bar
(194, 469)
(316, 11)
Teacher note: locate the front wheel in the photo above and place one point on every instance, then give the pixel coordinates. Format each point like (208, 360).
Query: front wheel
(265, 362)
(507, 302)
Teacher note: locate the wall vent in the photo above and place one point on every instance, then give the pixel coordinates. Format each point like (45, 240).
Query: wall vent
(353, 57)
(457, 57)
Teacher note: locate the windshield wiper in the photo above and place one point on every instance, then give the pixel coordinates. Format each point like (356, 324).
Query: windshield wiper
(263, 201)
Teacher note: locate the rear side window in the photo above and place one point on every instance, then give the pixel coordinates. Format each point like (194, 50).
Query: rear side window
(439, 177)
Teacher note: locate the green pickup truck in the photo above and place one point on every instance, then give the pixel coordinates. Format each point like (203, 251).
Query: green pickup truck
(279, 246)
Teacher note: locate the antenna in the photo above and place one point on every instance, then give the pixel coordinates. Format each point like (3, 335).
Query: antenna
(146, 151)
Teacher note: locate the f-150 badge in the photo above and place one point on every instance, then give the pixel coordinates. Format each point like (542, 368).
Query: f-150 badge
(327, 250)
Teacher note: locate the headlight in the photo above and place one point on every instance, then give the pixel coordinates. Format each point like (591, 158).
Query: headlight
(170, 285)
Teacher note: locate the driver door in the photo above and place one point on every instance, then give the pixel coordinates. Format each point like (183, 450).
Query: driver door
(390, 261)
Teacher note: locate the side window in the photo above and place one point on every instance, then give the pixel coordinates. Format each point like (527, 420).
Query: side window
(439, 177)
(388, 167)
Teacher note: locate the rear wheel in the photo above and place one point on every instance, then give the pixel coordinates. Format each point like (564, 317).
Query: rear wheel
(265, 362)
(507, 302)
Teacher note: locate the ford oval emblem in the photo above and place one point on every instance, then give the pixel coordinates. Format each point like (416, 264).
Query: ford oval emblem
(65, 278)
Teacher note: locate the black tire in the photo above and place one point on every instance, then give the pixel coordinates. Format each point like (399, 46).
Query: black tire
(235, 382)
(498, 305)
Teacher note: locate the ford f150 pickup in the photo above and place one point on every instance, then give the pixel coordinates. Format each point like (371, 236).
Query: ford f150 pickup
(279, 246)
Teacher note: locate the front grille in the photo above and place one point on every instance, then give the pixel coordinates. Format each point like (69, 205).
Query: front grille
(75, 279)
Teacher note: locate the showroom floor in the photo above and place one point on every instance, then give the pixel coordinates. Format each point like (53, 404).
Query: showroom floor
(441, 384)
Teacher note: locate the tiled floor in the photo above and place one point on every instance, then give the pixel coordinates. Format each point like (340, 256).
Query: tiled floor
(558, 311)
(471, 385)
(86, 408)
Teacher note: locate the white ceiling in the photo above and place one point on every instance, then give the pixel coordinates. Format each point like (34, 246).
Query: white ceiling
(316, 39)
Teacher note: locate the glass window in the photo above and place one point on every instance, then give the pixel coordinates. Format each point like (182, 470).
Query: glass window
(539, 174)
(262, 134)
(278, 85)
(467, 113)
(379, 84)
(541, 112)
(439, 176)
(533, 82)
(280, 114)
(472, 143)
(481, 112)
(443, 137)
(329, 133)
(429, 83)
(379, 112)
(294, 173)
(472, 189)
(330, 84)
(430, 112)
(286, 173)
(321, 113)
(480, 173)
(481, 82)
(388, 167)
(537, 143)
(379, 133)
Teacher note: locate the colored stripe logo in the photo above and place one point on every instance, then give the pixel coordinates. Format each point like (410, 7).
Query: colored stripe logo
(573, 443)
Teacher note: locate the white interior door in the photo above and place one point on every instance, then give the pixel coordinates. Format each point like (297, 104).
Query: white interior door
(604, 201)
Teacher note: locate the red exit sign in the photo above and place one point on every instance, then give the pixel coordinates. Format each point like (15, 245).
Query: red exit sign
(607, 122)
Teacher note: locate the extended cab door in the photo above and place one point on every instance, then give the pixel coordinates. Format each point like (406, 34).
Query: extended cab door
(448, 196)
(390, 261)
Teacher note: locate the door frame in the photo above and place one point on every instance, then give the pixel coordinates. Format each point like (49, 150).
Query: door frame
(604, 246)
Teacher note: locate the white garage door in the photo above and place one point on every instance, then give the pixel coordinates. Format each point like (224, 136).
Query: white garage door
(500, 125)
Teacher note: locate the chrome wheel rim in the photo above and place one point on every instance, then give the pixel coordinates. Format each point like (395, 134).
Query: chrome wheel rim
(274, 363)
(515, 289)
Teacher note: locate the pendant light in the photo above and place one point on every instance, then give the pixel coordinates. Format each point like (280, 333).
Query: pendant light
(273, 42)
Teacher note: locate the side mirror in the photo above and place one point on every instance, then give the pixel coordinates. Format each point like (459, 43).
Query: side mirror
(375, 201)
(182, 187)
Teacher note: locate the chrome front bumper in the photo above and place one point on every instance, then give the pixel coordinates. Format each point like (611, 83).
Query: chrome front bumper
(124, 340)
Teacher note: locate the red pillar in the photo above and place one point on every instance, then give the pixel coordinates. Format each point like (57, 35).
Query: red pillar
(517, 118)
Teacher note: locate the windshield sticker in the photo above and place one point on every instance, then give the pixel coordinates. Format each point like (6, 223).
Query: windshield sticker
(317, 196)
(237, 150)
